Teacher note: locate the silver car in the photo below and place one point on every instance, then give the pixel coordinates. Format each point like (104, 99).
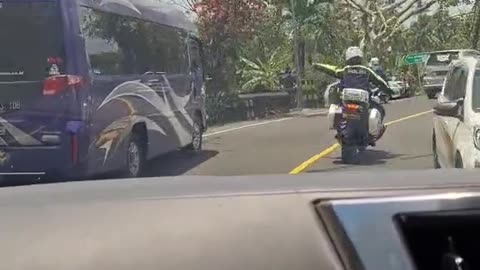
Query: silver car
(436, 68)
(456, 120)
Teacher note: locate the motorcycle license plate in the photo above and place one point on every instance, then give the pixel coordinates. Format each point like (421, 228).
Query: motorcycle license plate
(351, 116)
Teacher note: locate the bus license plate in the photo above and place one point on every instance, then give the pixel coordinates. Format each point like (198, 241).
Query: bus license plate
(351, 116)
(10, 106)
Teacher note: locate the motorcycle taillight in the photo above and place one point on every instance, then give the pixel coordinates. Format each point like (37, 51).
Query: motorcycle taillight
(352, 107)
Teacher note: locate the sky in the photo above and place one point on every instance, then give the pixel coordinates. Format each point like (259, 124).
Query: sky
(460, 9)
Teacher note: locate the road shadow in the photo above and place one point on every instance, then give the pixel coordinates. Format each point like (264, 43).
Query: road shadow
(333, 169)
(171, 164)
(178, 162)
(416, 157)
(372, 157)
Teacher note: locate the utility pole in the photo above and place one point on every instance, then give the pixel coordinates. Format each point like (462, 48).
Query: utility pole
(297, 57)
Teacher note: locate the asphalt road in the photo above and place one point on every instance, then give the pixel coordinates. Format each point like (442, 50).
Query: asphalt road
(280, 146)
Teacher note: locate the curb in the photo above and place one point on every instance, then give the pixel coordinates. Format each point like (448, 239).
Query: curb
(321, 112)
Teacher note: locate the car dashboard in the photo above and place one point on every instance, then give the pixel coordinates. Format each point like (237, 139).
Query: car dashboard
(359, 220)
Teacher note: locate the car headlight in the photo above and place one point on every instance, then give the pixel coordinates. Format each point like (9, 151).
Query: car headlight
(476, 137)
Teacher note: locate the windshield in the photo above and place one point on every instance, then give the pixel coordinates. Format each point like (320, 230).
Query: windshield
(234, 87)
(30, 34)
(442, 58)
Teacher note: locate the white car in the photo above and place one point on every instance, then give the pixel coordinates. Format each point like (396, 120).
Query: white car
(399, 88)
(456, 121)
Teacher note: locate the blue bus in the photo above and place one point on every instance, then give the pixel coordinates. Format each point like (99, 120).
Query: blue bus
(95, 86)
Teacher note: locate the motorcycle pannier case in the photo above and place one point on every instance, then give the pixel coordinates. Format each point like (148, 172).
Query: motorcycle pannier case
(334, 115)
(374, 122)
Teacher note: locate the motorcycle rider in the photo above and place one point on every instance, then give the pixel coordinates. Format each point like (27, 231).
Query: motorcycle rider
(374, 64)
(356, 75)
(377, 68)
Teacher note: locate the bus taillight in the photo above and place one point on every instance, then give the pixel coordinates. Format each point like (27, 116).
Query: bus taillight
(59, 83)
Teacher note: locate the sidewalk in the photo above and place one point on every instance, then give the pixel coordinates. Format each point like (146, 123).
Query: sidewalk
(308, 112)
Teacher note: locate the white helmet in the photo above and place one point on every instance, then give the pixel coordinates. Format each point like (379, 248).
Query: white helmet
(374, 61)
(353, 52)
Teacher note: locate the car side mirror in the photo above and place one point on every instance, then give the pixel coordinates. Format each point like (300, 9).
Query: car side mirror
(449, 108)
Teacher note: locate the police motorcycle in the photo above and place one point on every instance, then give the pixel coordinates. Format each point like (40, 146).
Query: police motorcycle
(349, 112)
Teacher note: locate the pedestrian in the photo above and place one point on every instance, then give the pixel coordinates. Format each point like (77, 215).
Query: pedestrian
(288, 81)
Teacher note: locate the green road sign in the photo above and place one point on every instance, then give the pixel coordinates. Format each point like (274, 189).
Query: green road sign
(416, 58)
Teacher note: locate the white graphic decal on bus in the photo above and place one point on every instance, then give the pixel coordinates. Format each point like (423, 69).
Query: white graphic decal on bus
(20, 136)
(106, 146)
(112, 135)
(140, 90)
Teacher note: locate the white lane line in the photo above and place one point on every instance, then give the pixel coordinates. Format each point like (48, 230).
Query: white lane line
(246, 126)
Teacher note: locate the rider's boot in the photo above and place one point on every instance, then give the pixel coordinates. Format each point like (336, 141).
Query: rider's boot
(373, 140)
(382, 131)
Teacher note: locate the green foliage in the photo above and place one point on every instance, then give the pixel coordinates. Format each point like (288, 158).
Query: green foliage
(226, 26)
(250, 42)
(331, 35)
(229, 19)
(221, 105)
(269, 36)
(261, 75)
(437, 32)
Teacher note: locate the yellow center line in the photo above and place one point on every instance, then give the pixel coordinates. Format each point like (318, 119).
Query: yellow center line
(408, 117)
(308, 163)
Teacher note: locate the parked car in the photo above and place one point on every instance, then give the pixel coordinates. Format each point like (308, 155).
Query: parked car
(436, 67)
(400, 88)
(456, 121)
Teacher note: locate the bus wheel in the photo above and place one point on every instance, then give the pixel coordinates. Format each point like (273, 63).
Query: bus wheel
(197, 136)
(135, 156)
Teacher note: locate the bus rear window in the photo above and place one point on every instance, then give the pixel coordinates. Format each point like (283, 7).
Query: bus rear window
(31, 40)
(442, 59)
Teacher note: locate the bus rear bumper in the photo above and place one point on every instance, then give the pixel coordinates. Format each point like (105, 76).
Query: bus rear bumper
(17, 161)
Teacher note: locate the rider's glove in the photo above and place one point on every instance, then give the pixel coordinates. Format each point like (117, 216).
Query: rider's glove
(390, 91)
